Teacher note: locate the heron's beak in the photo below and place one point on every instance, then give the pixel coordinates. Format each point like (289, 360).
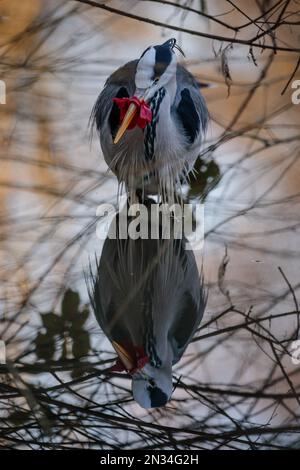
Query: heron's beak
(131, 112)
(124, 356)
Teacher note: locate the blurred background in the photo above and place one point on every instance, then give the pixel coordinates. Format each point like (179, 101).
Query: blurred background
(237, 385)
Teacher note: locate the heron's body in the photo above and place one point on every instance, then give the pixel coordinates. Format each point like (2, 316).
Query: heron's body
(158, 157)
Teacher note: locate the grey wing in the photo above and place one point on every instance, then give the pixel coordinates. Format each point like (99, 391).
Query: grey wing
(102, 295)
(190, 106)
(190, 310)
(120, 84)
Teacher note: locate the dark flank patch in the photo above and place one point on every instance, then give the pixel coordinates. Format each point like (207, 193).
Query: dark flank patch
(114, 117)
(188, 115)
(157, 397)
(163, 57)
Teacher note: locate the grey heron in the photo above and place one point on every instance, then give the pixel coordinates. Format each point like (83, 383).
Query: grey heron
(148, 298)
(151, 118)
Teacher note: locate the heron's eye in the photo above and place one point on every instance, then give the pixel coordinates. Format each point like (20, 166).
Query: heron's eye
(156, 80)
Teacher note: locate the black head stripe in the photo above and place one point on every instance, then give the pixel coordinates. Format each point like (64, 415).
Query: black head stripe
(163, 57)
(145, 51)
(157, 397)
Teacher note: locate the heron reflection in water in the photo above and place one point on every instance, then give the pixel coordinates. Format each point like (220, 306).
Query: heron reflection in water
(148, 298)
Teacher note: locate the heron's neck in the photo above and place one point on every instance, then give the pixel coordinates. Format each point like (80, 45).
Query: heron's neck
(167, 104)
(171, 88)
(165, 354)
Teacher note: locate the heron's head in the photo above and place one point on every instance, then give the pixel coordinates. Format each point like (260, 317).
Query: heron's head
(156, 68)
(153, 388)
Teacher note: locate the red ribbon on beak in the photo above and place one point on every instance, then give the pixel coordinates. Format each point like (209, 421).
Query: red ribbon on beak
(138, 358)
(143, 115)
